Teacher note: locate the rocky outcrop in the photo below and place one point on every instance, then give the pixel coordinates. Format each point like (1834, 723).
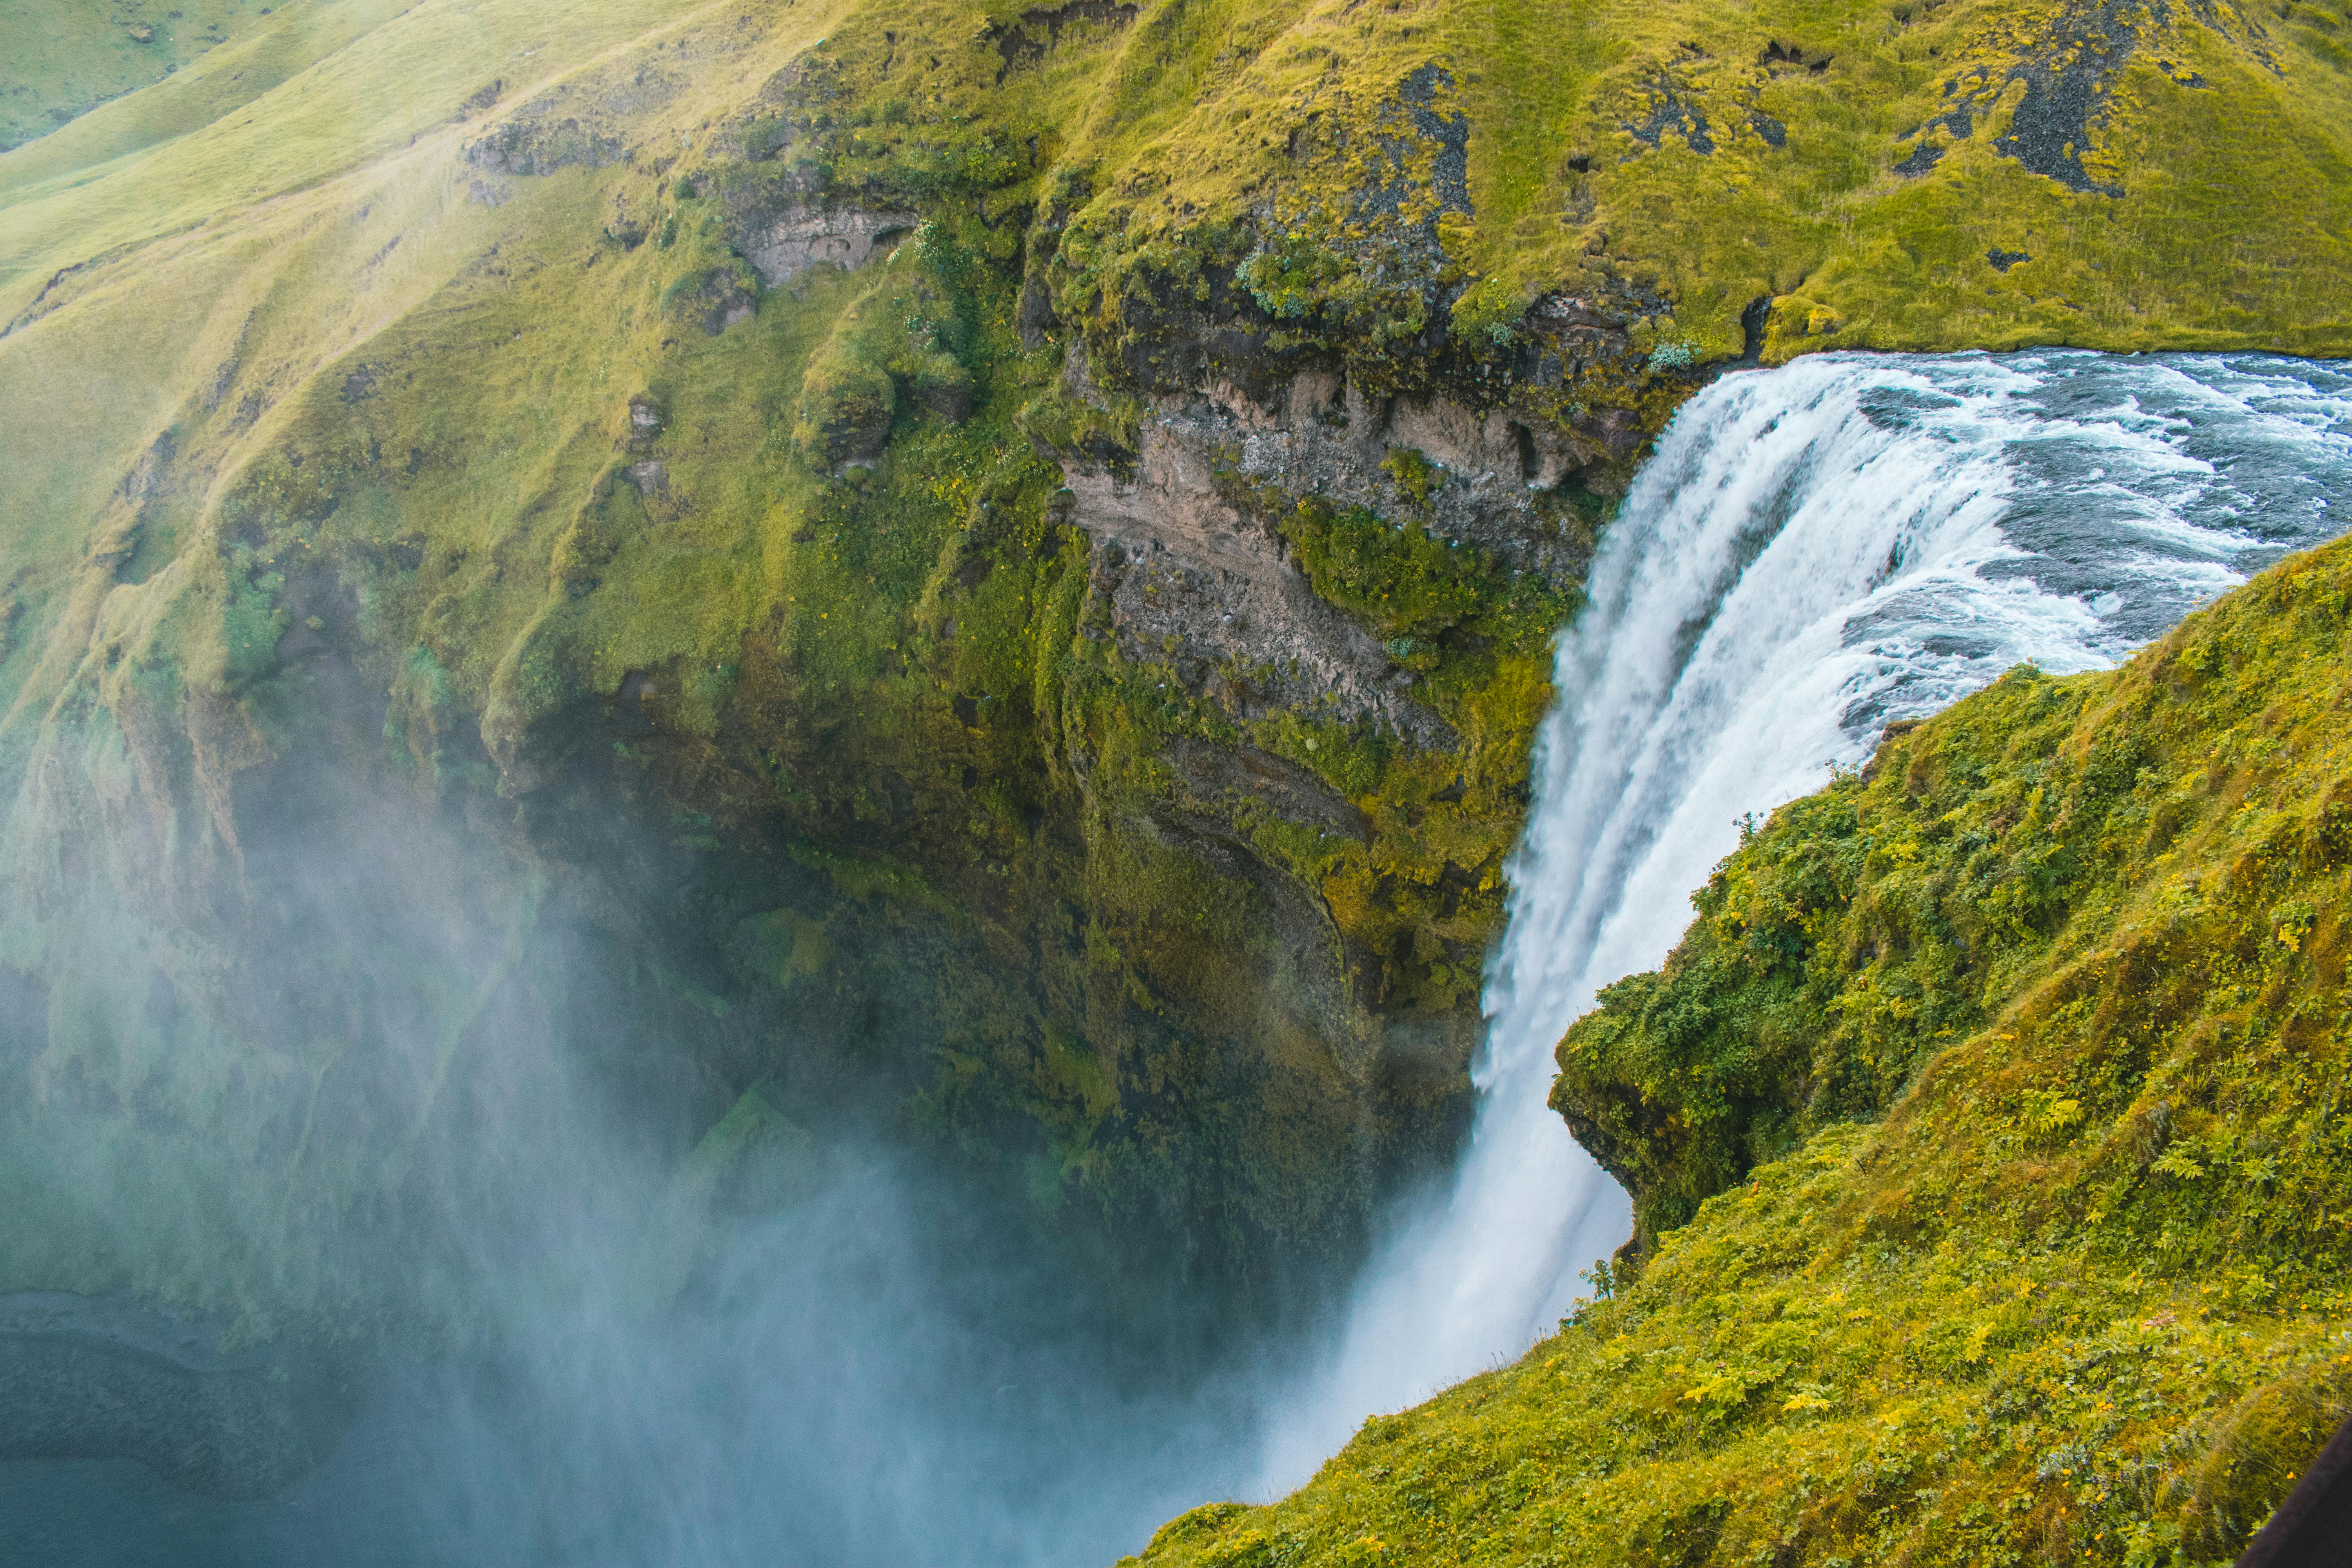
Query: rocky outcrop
(786, 244)
(85, 1377)
(1182, 572)
(782, 212)
(590, 121)
(533, 147)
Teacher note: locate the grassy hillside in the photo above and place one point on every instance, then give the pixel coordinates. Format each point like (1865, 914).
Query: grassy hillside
(1901, 176)
(1986, 1129)
(64, 61)
(396, 383)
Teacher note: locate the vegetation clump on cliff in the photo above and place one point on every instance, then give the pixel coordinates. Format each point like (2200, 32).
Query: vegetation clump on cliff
(1985, 1131)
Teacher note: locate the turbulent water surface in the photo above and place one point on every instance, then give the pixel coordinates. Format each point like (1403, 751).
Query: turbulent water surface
(1812, 551)
(876, 1375)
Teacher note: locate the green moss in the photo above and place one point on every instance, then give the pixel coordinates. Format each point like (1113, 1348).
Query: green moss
(845, 407)
(1412, 587)
(902, 339)
(1414, 474)
(1491, 309)
(1397, 578)
(1866, 928)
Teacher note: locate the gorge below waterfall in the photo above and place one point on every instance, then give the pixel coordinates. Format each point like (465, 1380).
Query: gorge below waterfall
(874, 1374)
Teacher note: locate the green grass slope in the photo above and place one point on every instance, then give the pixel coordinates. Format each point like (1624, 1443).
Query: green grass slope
(63, 60)
(1887, 175)
(2078, 1295)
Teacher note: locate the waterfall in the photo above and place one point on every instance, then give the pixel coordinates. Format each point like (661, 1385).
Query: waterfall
(1813, 550)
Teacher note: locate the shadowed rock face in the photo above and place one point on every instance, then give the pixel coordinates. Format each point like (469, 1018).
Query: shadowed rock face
(99, 1377)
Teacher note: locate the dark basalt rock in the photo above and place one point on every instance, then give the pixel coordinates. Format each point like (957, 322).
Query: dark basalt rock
(2068, 75)
(2314, 1524)
(99, 1377)
(1672, 107)
(1923, 158)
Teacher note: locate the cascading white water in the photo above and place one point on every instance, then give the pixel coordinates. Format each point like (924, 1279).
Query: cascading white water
(1812, 551)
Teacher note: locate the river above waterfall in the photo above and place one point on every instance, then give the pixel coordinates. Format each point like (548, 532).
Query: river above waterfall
(867, 1378)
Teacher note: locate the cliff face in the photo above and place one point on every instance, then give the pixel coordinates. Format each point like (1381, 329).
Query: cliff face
(1986, 1133)
(1002, 560)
